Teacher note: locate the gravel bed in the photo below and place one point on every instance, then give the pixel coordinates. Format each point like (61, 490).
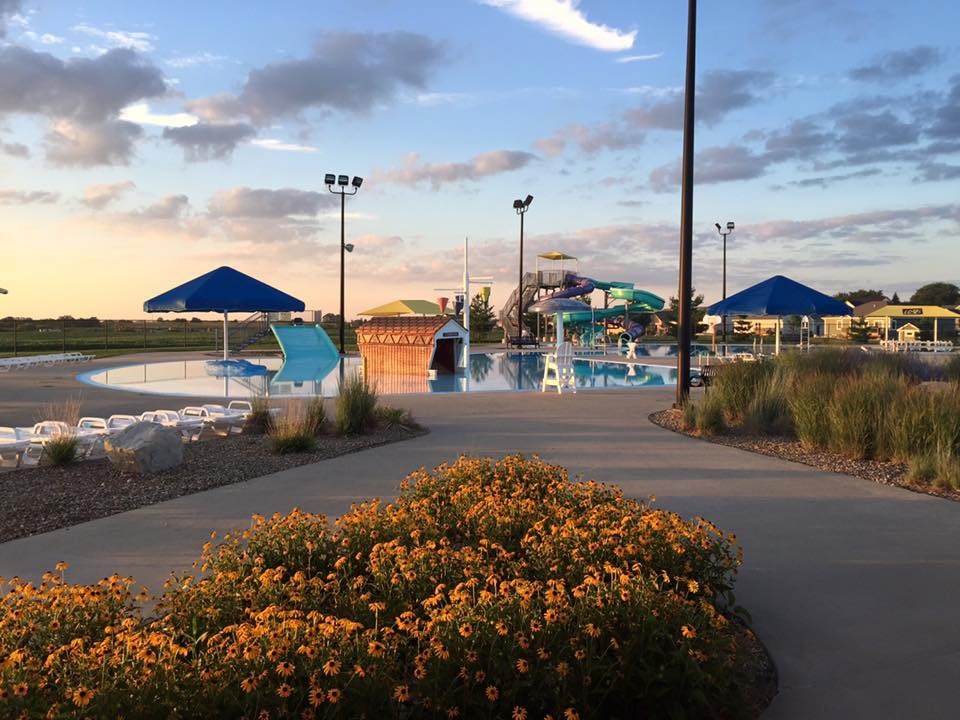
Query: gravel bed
(789, 448)
(40, 499)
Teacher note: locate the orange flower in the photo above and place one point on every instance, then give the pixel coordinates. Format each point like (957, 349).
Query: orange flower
(284, 690)
(316, 696)
(571, 714)
(333, 695)
(81, 696)
(248, 685)
(492, 693)
(466, 630)
(519, 713)
(20, 690)
(688, 632)
(331, 667)
(376, 649)
(285, 669)
(522, 666)
(402, 693)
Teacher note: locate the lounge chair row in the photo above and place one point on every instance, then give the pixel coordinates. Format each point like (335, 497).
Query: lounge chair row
(27, 361)
(23, 446)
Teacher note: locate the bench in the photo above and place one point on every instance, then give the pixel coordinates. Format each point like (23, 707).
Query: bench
(524, 341)
(708, 373)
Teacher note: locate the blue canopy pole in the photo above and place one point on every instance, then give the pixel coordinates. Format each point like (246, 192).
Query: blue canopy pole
(226, 334)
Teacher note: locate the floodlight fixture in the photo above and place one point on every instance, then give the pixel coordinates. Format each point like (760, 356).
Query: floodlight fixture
(329, 179)
(717, 226)
(528, 200)
(521, 207)
(343, 180)
(517, 204)
(348, 247)
(730, 225)
(357, 181)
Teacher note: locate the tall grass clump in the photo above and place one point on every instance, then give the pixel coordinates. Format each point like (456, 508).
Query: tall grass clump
(391, 418)
(66, 411)
(293, 431)
(768, 412)
(710, 415)
(61, 450)
(356, 406)
(856, 414)
(808, 399)
(951, 369)
(688, 416)
(735, 386)
(260, 420)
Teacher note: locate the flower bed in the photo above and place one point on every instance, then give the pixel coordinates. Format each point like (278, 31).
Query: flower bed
(487, 589)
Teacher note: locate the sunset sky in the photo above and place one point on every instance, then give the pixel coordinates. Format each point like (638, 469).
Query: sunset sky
(142, 144)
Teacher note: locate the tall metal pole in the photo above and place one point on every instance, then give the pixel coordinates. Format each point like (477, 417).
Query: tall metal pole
(520, 285)
(684, 321)
(343, 249)
(723, 318)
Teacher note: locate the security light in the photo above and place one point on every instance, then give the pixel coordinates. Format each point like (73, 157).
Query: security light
(343, 180)
(730, 225)
(529, 199)
(329, 179)
(357, 181)
(518, 204)
(348, 247)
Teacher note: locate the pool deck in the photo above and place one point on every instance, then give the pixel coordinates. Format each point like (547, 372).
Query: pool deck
(853, 586)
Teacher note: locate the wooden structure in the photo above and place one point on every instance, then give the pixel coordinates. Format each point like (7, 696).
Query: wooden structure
(411, 347)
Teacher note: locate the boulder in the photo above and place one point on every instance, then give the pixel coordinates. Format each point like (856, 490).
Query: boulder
(145, 448)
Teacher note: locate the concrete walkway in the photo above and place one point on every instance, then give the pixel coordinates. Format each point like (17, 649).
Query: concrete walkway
(853, 586)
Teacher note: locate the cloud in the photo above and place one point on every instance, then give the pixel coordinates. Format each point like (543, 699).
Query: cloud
(608, 136)
(564, 18)
(898, 65)
(868, 227)
(713, 165)
(947, 123)
(351, 72)
(44, 39)
(200, 58)
(639, 58)
(827, 180)
(8, 8)
(413, 172)
(169, 207)
(266, 203)
(209, 141)
(110, 142)
(866, 131)
(281, 146)
(20, 197)
(17, 150)
(937, 172)
(98, 197)
(140, 113)
(140, 41)
(81, 89)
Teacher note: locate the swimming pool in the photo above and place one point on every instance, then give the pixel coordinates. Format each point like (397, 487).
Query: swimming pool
(266, 376)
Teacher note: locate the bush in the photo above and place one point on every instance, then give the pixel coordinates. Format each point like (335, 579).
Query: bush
(294, 431)
(61, 450)
(260, 420)
(487, 586)
(688, 416)
(356, 405)
(390, 418)
(856, 413)
(808, 400)
(768, 412)
(736, 385)
(710, 415)
(316, 414)
(951, 369)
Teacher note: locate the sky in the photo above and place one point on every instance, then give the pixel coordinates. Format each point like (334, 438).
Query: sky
(142, 144)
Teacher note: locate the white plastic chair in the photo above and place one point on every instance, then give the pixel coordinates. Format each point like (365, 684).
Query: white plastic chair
(558, 369)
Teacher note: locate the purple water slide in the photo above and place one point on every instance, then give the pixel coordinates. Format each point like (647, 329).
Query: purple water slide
(578, 286)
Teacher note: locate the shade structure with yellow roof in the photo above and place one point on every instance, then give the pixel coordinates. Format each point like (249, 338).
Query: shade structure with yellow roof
(913, 312)
(405, 307)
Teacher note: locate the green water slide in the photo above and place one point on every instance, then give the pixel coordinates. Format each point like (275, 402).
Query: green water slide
(640, 300)
(308, 353)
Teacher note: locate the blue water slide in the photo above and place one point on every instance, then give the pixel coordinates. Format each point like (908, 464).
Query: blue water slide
(308, 353)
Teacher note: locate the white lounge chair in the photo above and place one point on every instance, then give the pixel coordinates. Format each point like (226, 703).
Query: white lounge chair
(13, 446)
(116, 423)
(220, 421)
(189, 427)
(558, 369)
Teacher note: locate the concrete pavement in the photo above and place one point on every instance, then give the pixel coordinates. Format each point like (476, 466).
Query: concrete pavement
(853, 586)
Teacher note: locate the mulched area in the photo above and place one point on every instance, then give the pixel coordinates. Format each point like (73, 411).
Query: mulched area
(40, 499)
(757, 674)
(789, 448)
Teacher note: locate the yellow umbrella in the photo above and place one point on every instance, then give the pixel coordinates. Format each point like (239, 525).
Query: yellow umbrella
(405, 307)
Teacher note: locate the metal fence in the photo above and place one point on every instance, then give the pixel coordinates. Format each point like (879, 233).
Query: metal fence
(20, 336)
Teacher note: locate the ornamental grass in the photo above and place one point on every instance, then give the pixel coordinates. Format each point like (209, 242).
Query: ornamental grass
(862, 406)
(488, 589)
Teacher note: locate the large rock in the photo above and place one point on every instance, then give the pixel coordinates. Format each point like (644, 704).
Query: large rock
(145, 448)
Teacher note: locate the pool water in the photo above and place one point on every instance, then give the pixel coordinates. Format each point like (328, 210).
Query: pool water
(266, 376)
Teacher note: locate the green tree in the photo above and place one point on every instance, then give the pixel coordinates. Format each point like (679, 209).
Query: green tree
(696, 310)
(859, 297)
(895, 300)
(938, 293)
(482, 317)
(858, 329)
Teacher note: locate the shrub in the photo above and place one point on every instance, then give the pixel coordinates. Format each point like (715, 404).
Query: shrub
(294, 430)
(951, 369)
(390, 418)
(67, 411)
(61, 450)
(735, 386)
(855, 413)
(316, 414)
(260, 420)
(710, 415)
(808, 399)
(356, 403)
(768, 412)
(486, 586)
(688, 416)
(922, 468)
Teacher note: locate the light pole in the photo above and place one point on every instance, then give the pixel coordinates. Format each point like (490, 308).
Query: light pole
(684, 320)
(521, 206)
(723, 318)
(340, 182)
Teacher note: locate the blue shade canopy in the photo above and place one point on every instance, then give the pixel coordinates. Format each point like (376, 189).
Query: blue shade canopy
(779, 296)
(224, 290)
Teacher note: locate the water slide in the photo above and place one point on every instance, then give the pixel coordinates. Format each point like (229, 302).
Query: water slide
(508, 314)
(308, 353)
